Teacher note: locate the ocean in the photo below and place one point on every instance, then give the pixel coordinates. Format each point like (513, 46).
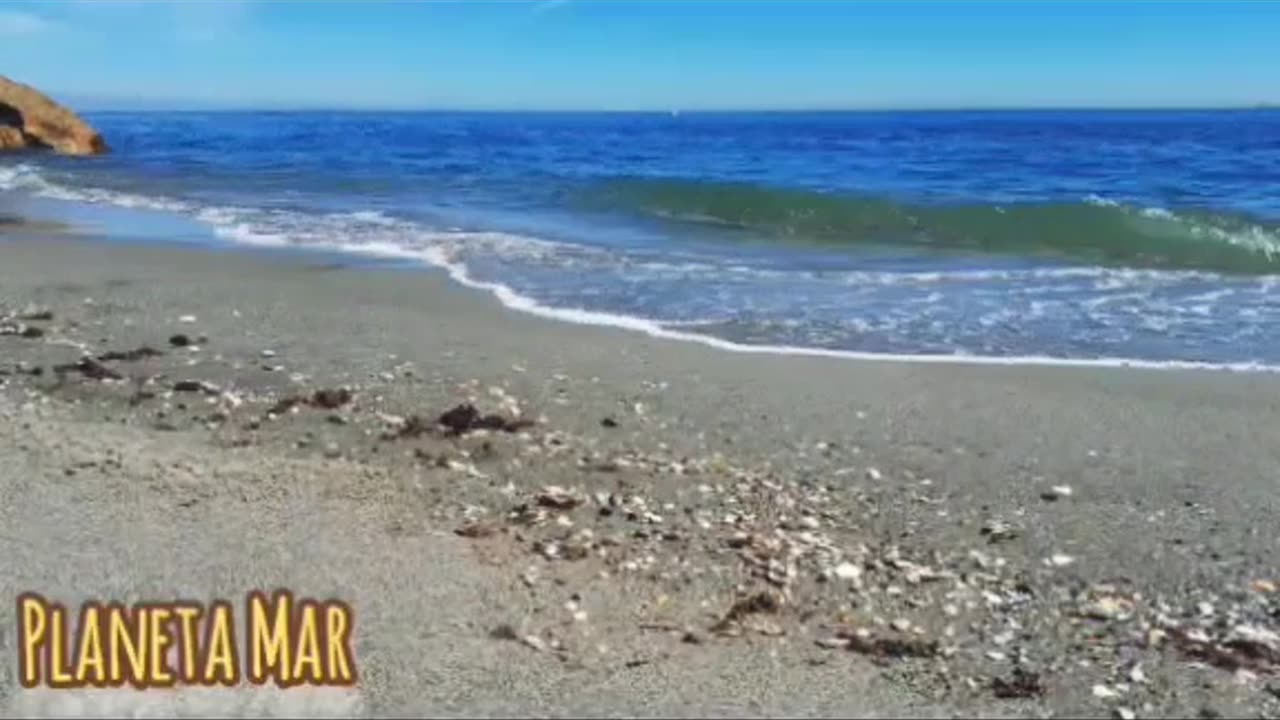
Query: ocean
(1107, 237)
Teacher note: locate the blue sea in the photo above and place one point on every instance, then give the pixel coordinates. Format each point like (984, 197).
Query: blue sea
(1098, 237)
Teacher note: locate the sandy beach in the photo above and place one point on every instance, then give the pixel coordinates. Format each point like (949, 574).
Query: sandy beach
(660, 528)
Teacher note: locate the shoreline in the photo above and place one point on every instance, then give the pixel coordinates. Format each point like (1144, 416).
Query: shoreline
(432, 259)
(914, 501)
(655, 329)
(346, 257)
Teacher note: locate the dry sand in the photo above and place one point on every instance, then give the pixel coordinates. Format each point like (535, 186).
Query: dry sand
(717, 477)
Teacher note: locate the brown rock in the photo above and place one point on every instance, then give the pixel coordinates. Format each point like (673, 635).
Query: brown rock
(40, 121)
(1022, 684)
(865, 643)
(331, 399)
(134, 355)
(476, 529)
(765, 602)
(89, 368)
(464, 418)
(11, 138)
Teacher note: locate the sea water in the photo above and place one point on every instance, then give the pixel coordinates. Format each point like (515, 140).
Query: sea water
(1083, 236)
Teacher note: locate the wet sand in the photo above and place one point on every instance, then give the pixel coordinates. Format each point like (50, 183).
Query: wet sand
(894, 526)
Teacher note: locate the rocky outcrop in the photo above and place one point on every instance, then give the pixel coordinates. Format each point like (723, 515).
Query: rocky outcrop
(11, 138)
(29, 119)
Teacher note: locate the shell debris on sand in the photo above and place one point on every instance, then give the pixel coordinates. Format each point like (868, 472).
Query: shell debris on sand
(1103, 603)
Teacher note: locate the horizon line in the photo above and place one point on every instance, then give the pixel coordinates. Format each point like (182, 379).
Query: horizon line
(144, 107)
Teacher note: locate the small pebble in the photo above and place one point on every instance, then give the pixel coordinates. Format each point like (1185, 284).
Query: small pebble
(1056, 492)
(847, 571)
(1060, 560)
(1102, 692)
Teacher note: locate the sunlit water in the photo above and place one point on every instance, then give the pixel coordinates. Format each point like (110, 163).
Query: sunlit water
(1150, 236)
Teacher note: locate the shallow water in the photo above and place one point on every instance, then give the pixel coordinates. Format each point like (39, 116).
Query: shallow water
(1150, 236)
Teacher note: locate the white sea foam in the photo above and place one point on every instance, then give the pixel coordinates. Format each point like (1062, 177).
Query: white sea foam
(28, 178)
(243, 233)
(523, 303)
(375, 217)
(386, 237)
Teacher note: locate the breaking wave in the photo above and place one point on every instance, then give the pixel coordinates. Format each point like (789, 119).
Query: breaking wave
(898, 301)
(1094, 231)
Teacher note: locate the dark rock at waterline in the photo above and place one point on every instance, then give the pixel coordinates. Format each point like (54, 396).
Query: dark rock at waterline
(1021, 684)
(466, 418)
(460, 419)
(130, 355)
(331, 399)
(140, 397)
(323, 399)
(893, 647)
(476, 529)
(414, 426)
(22, 330)
(285, 404)
(88, 367)
(195, 386)
(179, 340)
(36, 315)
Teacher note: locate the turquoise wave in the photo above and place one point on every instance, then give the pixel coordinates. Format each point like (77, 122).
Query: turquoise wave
(1093, 231)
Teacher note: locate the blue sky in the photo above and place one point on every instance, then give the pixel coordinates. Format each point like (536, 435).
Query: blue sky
(655, 54)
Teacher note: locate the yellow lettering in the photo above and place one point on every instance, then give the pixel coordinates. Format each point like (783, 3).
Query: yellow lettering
(59, 668)
(307, 667)
(89, 654)
(161, 673)
(31, 608)
(268, 640)
(188, 616)
(290, 641)
(124, 644)
(222, 664)
(337, 627)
